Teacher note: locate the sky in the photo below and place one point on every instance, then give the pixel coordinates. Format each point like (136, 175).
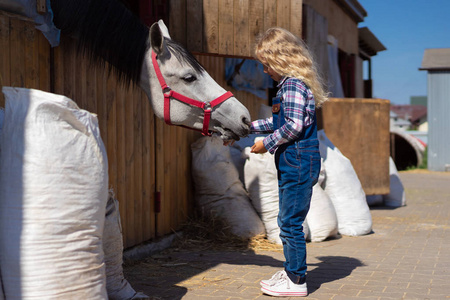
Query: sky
(406, 28)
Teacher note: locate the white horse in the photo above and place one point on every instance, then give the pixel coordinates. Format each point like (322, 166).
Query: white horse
(183, 93)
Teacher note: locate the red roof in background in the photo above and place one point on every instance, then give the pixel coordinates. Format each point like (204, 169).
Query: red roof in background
(412, 113)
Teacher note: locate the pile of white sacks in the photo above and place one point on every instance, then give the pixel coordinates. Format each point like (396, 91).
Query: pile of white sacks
(242, 188)
(60, 234)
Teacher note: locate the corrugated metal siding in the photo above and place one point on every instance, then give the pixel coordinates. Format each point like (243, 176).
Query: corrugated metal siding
(439, 120)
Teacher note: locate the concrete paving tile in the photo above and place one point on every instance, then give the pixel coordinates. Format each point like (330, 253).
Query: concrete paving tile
(407, 257)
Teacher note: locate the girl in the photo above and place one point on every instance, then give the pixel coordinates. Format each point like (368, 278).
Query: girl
(295, 145)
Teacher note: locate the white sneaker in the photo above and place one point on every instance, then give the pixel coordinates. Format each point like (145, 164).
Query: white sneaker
(274, 278)
(281, 285)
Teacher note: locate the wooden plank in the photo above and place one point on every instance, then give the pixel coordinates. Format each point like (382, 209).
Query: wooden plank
(148, 171)
(110, 114)
(41, 6)
(17, 62)
(211, 26)
(121, 163)
(177, 21)
(31, 47)
(80, 91)
(226, 32)
(283, 13)
(58, 70)
(179, 210)
(90, 103)
(70, 66)
(126, 130)
(270, 14)
(170, 187)
(194, 22)
(241, 28)
(43, 64)
(5, 55)
(256, 22)
(160, 166)
(137, 165)
(102, 102)
(363, 139)
(295, 17)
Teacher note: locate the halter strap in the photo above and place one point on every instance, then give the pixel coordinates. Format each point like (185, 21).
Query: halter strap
(169, 94)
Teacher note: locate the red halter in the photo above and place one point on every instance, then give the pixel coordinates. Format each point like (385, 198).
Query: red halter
(206, 106)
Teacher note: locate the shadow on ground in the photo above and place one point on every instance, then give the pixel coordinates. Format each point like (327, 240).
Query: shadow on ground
(330, 268)
(161, 275)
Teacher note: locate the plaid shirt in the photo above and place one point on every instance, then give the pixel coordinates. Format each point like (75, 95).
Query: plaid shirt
(299, 110)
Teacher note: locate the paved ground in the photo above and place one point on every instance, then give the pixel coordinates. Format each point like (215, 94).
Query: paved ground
(407, 257)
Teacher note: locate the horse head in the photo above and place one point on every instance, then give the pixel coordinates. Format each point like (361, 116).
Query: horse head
(183, 75)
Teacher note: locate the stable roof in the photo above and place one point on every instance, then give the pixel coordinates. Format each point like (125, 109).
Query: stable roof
(436, 59)
(368, 42)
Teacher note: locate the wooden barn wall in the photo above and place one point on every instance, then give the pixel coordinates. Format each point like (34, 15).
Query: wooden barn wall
(340, 24)
(145, 155)
(229, 27)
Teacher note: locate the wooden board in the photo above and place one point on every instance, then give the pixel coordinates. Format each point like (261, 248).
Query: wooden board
(210, 26)
(283, 14)
(359, 128)
(177, 21)
(194, 25)
(241, 28)
(226, 27)
(270, 14)
(5, 55)
(255, 21)
(295, 17)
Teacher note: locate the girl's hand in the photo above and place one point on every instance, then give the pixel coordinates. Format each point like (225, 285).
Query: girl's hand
(258, 147)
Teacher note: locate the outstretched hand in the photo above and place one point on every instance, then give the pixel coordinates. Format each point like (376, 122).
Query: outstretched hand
(258, 147)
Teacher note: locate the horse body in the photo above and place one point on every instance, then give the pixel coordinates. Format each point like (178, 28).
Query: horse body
(108, 31)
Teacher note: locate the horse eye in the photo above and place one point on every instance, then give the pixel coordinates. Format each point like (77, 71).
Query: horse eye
(189, 78)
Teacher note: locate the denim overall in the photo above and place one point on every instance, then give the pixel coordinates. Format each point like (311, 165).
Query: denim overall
(298, 165)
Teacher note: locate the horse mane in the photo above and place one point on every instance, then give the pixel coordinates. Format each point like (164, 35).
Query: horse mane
(183, 55)
(106, 31)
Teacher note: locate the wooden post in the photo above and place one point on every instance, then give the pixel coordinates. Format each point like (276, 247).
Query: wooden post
(41, 6)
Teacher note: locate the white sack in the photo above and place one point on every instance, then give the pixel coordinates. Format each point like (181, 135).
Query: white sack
(345, 191)
(117, 287)
(218, 190)
(53, 193)
(238, 156)
(321, 218)
(261, 182)
(306, 230)
(396, 196)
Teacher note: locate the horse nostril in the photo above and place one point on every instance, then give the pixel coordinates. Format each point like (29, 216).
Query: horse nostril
(246, 121)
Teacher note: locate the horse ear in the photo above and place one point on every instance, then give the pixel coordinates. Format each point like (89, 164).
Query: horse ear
(164, 29)
(156, 38)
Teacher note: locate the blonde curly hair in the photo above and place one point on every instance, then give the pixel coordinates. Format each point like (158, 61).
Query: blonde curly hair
(288, 55)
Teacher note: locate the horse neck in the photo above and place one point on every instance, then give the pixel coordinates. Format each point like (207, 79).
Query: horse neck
(107, 32)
